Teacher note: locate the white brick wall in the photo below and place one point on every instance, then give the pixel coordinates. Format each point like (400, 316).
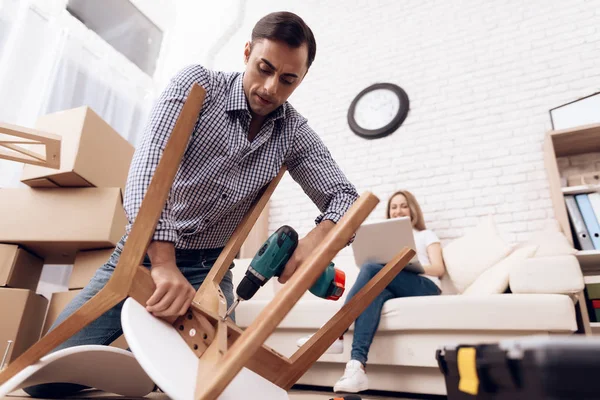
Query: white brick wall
(481, 77)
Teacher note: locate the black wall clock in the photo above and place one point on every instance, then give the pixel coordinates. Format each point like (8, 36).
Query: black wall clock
(378, 110)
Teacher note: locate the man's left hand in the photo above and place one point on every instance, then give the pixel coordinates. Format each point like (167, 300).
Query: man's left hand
(306, 245)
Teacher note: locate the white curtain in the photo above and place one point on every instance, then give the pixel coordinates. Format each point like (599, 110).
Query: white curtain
(49, 61)
(29, 43)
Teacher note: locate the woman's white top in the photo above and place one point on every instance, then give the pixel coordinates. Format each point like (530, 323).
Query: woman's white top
(424, 239)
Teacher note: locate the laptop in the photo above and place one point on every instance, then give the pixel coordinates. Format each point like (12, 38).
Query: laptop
(378, 242)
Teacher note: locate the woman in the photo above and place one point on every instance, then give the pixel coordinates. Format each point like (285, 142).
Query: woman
(429, 254)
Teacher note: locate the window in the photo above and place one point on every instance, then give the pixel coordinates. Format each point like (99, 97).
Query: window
(124, 27)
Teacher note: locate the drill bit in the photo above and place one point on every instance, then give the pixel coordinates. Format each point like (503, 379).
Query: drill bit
(232, 308)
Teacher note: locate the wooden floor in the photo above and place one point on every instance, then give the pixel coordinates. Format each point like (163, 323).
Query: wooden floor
(294, 395)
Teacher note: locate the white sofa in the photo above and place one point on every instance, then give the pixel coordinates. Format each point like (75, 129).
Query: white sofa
(402, 357)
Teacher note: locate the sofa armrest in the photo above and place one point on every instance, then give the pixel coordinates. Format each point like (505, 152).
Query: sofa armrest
(557, 274)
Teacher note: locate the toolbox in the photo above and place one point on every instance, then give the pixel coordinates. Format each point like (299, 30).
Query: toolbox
(534, 367)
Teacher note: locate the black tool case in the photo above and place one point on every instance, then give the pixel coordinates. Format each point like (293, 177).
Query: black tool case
(531, 368)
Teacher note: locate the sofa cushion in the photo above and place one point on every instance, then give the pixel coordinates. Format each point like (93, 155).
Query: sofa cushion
(515, 312)
(494, 280)
(558, 274)
(550, 241)
(468, 256)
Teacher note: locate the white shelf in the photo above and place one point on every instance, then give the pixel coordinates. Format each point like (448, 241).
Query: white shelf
(589, 260)
(595, 328)
(581, 189)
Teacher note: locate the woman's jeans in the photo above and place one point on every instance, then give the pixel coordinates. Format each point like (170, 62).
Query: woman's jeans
(405, 284)
(193, 264)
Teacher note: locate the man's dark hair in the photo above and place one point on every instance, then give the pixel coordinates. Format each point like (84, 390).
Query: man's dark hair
(288, 28)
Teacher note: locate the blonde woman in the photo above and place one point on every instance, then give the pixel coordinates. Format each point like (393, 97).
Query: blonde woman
(405, 284)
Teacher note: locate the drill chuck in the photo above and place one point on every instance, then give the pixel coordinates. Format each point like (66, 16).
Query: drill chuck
(250, 284)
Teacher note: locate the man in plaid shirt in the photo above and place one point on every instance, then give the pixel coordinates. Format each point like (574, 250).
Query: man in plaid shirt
(245, 133)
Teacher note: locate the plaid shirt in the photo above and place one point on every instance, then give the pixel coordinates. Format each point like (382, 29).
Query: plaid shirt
(222, 172)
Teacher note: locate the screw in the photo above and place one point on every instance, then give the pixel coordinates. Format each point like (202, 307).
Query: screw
(6, 352)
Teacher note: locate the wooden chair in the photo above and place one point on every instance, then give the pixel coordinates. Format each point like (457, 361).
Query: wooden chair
(13, 140)
(223, 348)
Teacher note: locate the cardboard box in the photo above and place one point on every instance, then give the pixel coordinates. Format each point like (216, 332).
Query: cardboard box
(56, 223)
(22, 315)
(58, 302)
(19, 268)
(92, 152)
(86, 264)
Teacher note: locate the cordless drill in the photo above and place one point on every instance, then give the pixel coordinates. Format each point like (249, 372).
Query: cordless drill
(270, 261)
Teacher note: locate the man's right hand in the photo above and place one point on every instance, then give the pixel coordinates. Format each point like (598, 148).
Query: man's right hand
(173, 294)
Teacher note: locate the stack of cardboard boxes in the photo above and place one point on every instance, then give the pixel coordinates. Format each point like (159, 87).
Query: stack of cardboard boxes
(73, 215)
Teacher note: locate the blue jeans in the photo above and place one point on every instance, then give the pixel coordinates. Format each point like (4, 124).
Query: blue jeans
(405, 284)
(193, 264)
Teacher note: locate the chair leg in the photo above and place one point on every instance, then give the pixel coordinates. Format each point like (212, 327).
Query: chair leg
(89, 312)
(205, 294)
(121, 282)
(263, 326)
(209, 361)
(583, 318)
(310, 352)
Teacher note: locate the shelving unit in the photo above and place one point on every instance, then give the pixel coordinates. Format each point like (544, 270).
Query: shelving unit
(570, 142)
(580, 189)
(589, 260)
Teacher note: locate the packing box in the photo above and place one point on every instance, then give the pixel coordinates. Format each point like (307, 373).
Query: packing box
(56, 223)
(58, 302)
(92, 152)
(86, 264)
(19, 268)
(22, 315)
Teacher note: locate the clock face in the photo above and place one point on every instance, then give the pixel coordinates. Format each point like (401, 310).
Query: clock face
(376, 109)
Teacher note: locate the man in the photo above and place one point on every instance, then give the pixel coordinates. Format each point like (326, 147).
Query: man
(245, 132)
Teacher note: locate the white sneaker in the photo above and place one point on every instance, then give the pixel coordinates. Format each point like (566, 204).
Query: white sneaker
(336, 348)
(354, 380)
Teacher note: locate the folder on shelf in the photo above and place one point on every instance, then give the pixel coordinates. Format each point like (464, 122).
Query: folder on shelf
(581, 231)
(589, 218)
(595, 202)
(593, 290)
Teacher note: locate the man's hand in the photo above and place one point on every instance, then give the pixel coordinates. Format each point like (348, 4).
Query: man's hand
(173, 294)
(306, 245)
